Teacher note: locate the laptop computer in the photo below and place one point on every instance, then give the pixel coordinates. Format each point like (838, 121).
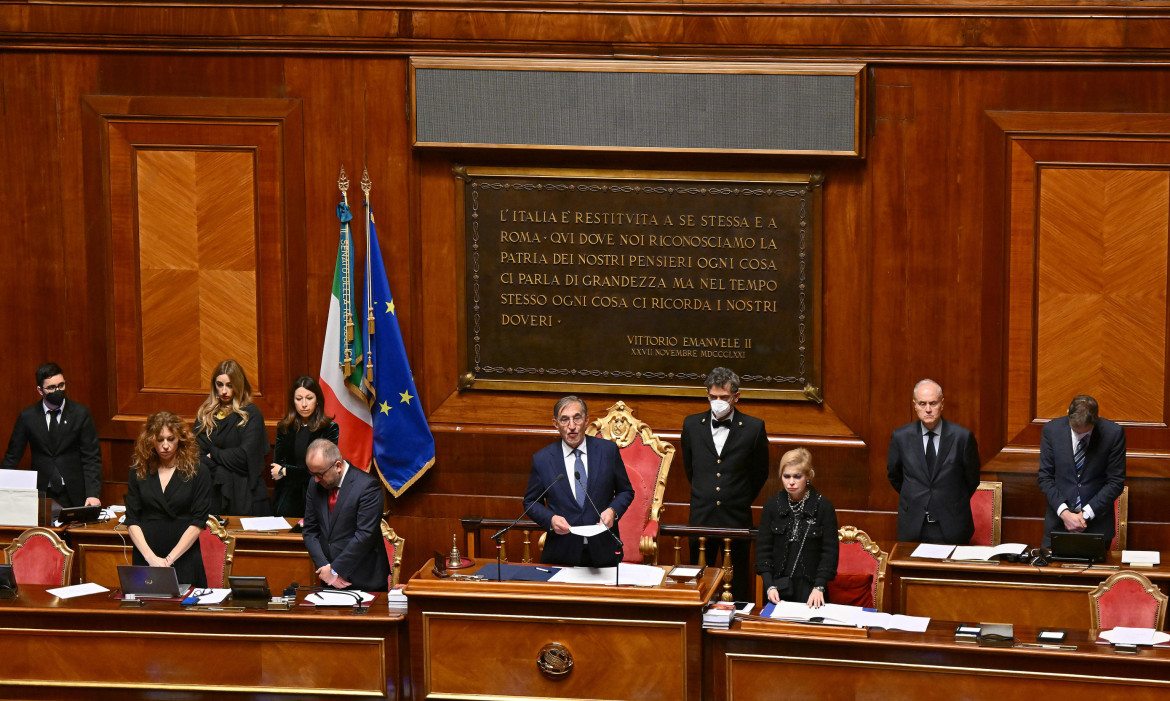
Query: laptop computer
(150, 582)
(1079, 547)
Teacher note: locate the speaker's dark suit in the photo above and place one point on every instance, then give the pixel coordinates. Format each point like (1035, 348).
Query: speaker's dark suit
(944, 491)
(608, 486)
(350, 538)
(74, 455)
(724, 485)
(1102, 477)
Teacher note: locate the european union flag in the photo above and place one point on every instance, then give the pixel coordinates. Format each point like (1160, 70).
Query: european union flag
(403, 445)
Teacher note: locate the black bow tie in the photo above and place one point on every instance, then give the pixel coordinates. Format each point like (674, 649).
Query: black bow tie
(725, 423)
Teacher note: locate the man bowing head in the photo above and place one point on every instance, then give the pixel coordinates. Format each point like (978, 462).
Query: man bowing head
(578, 481)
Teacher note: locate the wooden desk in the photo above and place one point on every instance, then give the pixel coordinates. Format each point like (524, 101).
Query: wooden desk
(1001, 592)
(482, 639)
(91, 648)
(746, 666)
(280, 557)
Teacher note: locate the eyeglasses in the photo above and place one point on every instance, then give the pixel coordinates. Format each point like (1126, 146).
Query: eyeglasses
(53, 388)
(574, 419)
(324, 472)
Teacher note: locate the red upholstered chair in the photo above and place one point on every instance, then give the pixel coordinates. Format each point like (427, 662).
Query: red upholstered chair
(218, 549)
(38, 556)
(987, 512)
(1120, 520)
(1129, 600)
(393, 543)
(647, 460)
(861, 570)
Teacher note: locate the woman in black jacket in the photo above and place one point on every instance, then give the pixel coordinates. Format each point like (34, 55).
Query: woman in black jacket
(796, 551)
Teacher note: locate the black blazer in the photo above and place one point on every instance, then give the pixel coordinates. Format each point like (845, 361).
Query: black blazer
(75, 456)
(350, 538)
(945, 491)
(289, 453)
(165, 516)
(1102, 477)
(818, 552)
(236, 464)
(609, 487)
(739, 472)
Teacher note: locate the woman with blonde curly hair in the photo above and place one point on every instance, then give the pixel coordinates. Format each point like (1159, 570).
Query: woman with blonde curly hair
(232, 444)
(796, 550)
(168, 498)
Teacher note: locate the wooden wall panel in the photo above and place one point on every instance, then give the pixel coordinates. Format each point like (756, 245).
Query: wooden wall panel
(1101, 291)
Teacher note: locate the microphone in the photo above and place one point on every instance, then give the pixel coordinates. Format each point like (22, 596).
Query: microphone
(577, 474)
(511, 525)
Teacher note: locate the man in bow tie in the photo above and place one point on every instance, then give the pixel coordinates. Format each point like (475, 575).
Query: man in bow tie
(725, 455)
(933, 464)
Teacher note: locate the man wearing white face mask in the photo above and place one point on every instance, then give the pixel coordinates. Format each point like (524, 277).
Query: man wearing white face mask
(725, 455)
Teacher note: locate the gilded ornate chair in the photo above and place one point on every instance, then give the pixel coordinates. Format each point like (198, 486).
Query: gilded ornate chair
(861, 570)
(38, 556)
(1120, 520)
(987, 512)
(393, 543)
(1129, 600)
(218, 550)
(647, 459)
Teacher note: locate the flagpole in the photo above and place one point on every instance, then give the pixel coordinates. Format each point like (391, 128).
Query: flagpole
(368, 185)
(346, 271)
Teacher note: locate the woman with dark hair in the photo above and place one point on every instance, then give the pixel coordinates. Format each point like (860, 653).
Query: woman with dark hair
(796, 551)
(168, 498)
(232, 444)
(304, 423)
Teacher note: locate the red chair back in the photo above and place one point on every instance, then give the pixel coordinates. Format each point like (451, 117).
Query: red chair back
(856, 581)
(39, 557)
(214, 552)
(642, 465)
(985, 512)
(1127, 599)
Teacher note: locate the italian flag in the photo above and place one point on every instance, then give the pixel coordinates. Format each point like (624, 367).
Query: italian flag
(341, 376)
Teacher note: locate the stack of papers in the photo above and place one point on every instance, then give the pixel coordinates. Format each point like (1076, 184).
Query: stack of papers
(986, 552)
(629, 575)
(264, 523)
(719, 615)
(396, 601)
(840, 615)
(338, 598)
(1135, 636)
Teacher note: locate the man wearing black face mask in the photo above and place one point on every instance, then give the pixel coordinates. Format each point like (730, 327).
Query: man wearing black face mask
(64, 440)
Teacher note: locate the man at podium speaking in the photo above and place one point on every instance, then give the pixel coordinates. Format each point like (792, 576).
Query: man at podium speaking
(578, 481)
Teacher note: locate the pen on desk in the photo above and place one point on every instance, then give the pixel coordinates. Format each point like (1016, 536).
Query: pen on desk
(542, 569)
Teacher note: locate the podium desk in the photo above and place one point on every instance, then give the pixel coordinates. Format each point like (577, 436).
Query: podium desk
(809, 664)
(1000, 592)
(91, 648)
(278, 556)
(474, 639)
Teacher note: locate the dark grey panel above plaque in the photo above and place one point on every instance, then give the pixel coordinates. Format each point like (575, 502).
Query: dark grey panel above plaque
(770, 108)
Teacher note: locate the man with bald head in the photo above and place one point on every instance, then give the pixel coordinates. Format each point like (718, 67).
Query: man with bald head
(934, 466)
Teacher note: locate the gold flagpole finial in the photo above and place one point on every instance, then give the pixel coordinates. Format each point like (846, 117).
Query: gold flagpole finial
(367, 184)
(343, 185)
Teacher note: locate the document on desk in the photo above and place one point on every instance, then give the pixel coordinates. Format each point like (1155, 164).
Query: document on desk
(337, 598)
(832, 614)
(986, 552)
(1140, 557)
(216, 596)
(932, 551)
(1135, 636)
(264, 523)
(588, 531)
(629, 574)
(77, 590)
(892, 621)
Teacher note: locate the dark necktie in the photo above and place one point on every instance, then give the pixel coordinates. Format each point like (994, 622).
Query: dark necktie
(332, 499)
(54, 416)
(579, 466)
(930, 454)
(725, 423)
(1079, 461)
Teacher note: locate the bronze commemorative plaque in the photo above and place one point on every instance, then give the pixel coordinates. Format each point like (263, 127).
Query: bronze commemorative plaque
(640, 282)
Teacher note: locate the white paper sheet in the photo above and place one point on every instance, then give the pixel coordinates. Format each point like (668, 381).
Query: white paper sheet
(264, 523)
(932, 551)
(630, 574)
(336, 598)
(588, 531)
(835, 614)
(1151, 557)
(18, 479)
(215, 597)
(892, 621)
(1135, 636)
(986, 552)
(77, 590)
